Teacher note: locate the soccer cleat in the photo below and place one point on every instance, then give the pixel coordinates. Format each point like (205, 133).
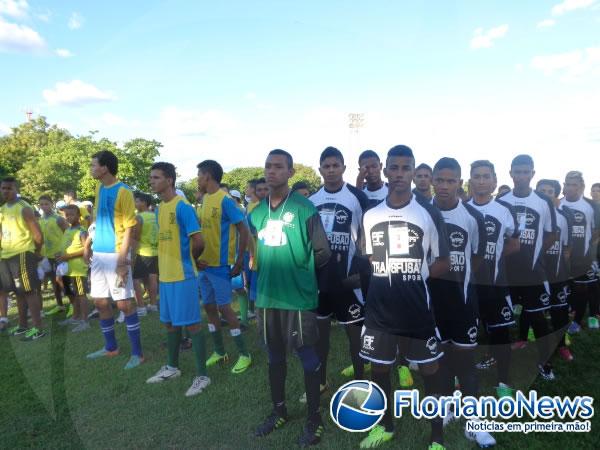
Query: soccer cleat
(94, 314)
(198, 385)
(546, 372)
(449, 418)
(142, 311)
(57, 309)
(567, 340)
(531, 335)
(152, 308)
(311, 435)
(216, 358)
(121, 317)
(349, 371)
(518, 345)
(574, 328)
(164, 373)
(134, 361)
(69, 311)
(68, 321)
(82, 326)
(504, 390)
(102, 353)
(486, 363)
(242, 364)
(271, 423)
(593, 323)
(322, 389)
(436, 446)
(405, 377)
(482, 438)
(17, 331)
(565, 354)
(33, 334)
(376, 437)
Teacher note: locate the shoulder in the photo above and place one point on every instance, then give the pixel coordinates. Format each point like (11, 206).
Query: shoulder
(504, 196)
(545, 199)
(301, 202)
(499, 201)
(362, 198)
(430, 210)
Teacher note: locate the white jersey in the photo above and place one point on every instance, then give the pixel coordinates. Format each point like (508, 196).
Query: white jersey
(377, 196)
(584, 214)
(555, 261)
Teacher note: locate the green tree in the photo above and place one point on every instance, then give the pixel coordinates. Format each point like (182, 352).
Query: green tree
(189, 188)
(308, 175)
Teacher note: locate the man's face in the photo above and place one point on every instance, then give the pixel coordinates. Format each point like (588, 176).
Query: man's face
(446, 183)
(277, 172)
(522, 175)
(96, 170)
(158, 182)
(140, 205)
(9, 191)
(596, 194)
(372, 167)
(72, 216)
(483, 181)
(572, 189)
(203, 179)
(262, 190)
(332, 170)
(399, 171)
(423, 180)
(547, 190)
(46, 206)
(250, 190)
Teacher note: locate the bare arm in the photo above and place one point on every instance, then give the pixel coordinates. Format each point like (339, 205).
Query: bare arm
(511, 245)
(197, 245)
(34, 228)
(242, 230)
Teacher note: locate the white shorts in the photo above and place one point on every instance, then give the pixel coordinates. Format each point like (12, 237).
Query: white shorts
(104, 278)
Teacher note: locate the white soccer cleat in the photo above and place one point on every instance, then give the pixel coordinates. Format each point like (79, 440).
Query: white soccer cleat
(198, 385)
(165, 373)
(482, 438)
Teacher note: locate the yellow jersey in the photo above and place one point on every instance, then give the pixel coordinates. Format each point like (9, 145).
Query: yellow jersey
(16, 236)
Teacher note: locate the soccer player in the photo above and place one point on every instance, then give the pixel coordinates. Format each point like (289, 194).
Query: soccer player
(503, 189)
(291, 245)
(70, 198)
(302, 188)
(75, 280)
(21, 246)
(179, 245)
(220, 219)
(369, 177)
(402, 234)
(262, 189)
(502, 239)
(341, 207)
(595, 193)
(250, 193)
(584, 240)
(422, 180)
(53, 226)
(536, 221)
(110, 267)
(145, 267)
(556, 263)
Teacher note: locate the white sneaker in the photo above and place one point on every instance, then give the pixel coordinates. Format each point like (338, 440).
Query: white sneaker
(83, 326)
(198, 385)
(152, 308)
(69, 321)
(482, 438)
(449, 418)
(142, 311)
(121, 317)
(165, 373)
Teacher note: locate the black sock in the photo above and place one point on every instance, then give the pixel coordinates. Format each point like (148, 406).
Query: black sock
(540, 330)
(579, 302)
(464, 367)
(353, 333)
(594, 296)
(277, 375)
(433, 386)
(523, 326)
(380, 374)
(560, 321)
(500, 349)
(324, 326)
(310, 363)
(445, 373)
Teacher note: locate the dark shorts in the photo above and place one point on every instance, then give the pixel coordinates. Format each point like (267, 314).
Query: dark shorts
(560, 293)
(282, 329)
(144, 266)
(75, 286)
(533, 298)
(19, 273)
(495, 306)
(589, 277)
(342, 305)
(382, 348)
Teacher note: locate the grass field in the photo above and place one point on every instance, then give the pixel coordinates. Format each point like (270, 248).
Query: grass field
(53, 398)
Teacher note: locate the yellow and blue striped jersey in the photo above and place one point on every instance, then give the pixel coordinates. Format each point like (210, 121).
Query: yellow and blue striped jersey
(115, 212)
(218, 218)
(176, 223)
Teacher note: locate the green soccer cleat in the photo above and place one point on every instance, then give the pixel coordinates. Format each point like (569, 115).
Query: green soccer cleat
(405, 377)
(436, 446)
(348, 372)
(567, 340)
(376, 437)
(531, 335)
(17, 331)
(33, 334)
(593, 323)
(216, 358)
(503, 390)
(69, 312)
(242, 364)
(57, 309)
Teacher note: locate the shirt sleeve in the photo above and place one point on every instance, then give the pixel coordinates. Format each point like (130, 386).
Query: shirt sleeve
(126, 206)
(186, 218)
(318, 238)
(439, 238)
(481, 234)
(231, 211)
(549, 216)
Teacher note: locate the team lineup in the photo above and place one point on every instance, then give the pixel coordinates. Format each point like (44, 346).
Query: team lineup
(416, 277)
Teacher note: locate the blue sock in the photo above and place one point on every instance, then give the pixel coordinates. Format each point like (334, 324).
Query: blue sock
(108, 331)
(133, 330)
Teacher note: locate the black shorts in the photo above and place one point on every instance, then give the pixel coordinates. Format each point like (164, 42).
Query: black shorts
(533, 298)
(589, 277)
(75, 286)
(342, 305)
(144, 266)
(19, 273)
(559, 294)
(283, 329)
(461, 332)
(419, 347)
(495, 306)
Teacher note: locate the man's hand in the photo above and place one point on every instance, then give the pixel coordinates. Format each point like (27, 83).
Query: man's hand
(201, 264)
(237, 269)
(62, 258)
(123, 267)
(360, 180)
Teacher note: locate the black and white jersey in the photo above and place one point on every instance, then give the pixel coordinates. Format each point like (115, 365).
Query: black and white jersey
(535, 216)
(341, 213)
(585, 217)
(466, 237)
(400, 241)
(554, 260)
(500, 223)
(377, 196)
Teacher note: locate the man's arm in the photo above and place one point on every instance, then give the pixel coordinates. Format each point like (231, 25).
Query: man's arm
(34, 228)
(136, 234)
(511, 245)
(197, 245)
(242, 230)
(318, 238)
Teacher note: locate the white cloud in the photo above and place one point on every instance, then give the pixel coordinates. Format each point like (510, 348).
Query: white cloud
(569, 65)
(19, 38)
(14, 8)
(63, 52)
(75, 21)
(571, 5)
(485, 39)
(76, 93)
(4, 129)
(546, 23)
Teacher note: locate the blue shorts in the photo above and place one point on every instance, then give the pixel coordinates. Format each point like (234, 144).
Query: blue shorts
(253, 285)
(179, 302)
(215, 285)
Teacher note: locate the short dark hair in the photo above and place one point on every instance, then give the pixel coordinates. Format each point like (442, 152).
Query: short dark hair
(596, 185)
(9, 180)
(45, 197)
(72, 208)
(107, 159)
(552, 183)
(368, 154)
(483, 163)
(504, 187)
(213, 168)
(447, 163)
(142, 196)
(424, 166)
(252, 182)
(167, 169)
(261, 180)
(300, 185)
(331, 152)
(71, 193)
(522, 160)
(401, 150)
(288, 157)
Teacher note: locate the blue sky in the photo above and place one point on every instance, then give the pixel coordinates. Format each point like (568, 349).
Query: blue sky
(231, 80)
